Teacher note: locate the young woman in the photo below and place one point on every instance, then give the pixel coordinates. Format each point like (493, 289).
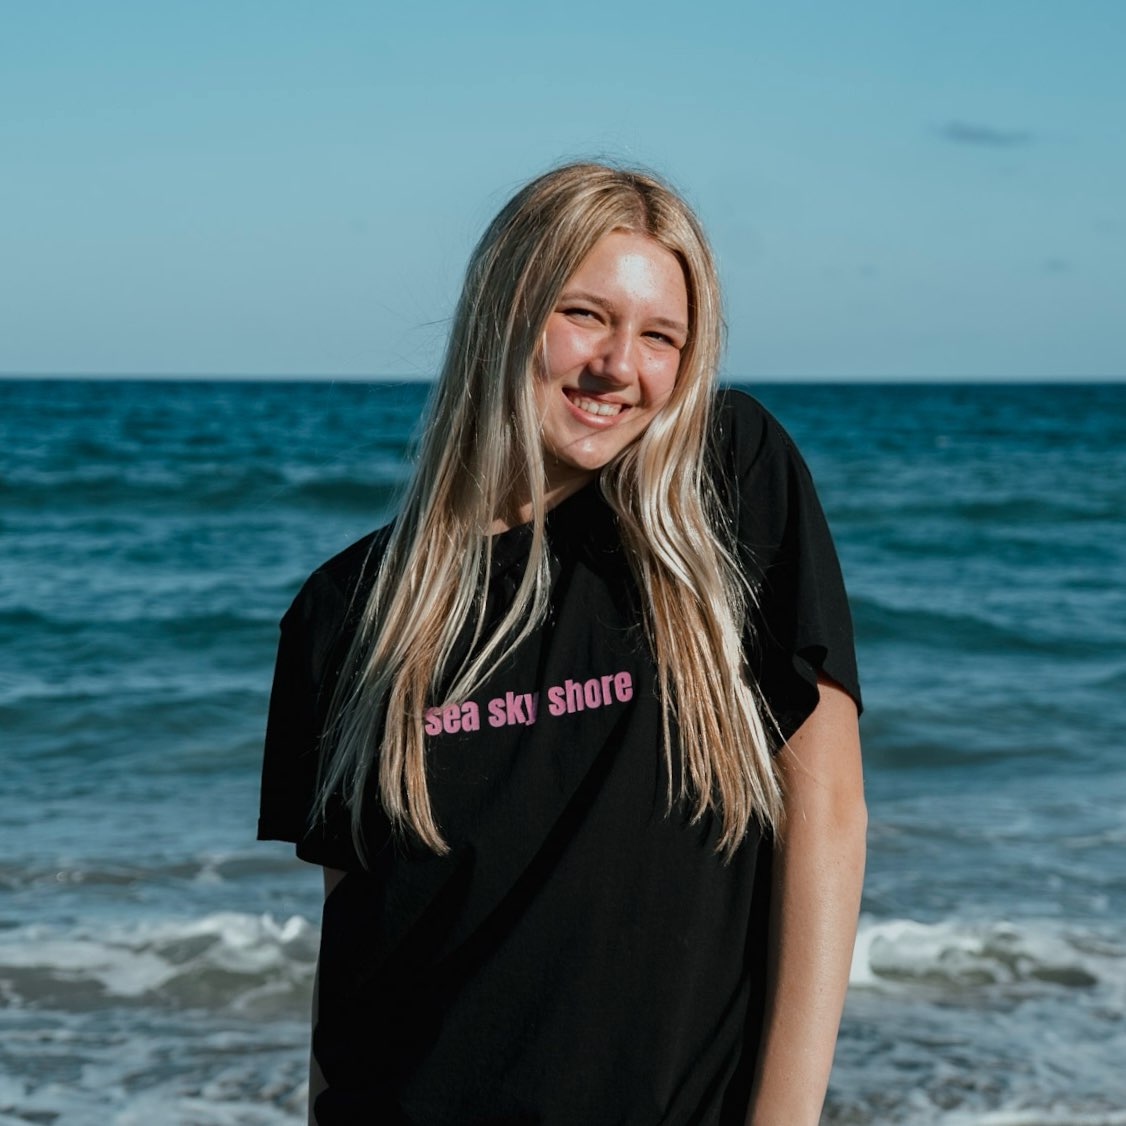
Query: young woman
(574, 739)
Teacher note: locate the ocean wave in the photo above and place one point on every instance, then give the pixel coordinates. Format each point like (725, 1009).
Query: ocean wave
(955, 957)
(1058, 1115)
(989, 514)
(166, 489)
(246, 964)
(166, 619)
(234, 959)
(125, 695)
(113, 488)
(209, 868)
(135, 620)
(964, 631)
(354, 494)
(211, 1011)
(134, 1068)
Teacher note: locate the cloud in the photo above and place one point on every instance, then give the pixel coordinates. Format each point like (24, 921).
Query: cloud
(971, 133)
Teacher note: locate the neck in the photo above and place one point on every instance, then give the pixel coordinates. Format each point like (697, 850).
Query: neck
(518, 509)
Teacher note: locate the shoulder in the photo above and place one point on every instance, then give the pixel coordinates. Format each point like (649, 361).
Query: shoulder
(745, 433)
(803, 626)
(757, 468)
(337, 588)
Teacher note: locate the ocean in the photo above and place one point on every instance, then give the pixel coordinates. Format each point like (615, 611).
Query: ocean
(156, 962)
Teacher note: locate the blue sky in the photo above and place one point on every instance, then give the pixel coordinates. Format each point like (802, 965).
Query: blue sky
(894, 189)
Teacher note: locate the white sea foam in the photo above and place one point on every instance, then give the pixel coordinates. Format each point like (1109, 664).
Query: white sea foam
(258, 952)
(1051, 1116)
(205, 1021)
(973, 1022)
(133, 1073)
(225, 959)
(897, 954)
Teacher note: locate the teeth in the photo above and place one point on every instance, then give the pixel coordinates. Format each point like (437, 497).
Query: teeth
(593, 406)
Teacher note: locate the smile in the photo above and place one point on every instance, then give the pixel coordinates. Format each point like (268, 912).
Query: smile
(595, 406)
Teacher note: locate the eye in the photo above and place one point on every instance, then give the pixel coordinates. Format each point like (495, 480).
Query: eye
(664, 338)
(578, 311)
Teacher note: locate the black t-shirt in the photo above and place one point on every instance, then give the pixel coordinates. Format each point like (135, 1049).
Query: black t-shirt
(581, 955)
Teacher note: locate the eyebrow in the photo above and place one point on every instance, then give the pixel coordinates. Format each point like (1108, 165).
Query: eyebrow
(602, 303)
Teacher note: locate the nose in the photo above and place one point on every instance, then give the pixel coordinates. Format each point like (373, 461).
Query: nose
(616, 359)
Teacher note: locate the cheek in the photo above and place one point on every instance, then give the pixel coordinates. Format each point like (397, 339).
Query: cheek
(560, 351)
(661, 379)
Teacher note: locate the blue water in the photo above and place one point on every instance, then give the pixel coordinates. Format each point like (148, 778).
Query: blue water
(155, 962)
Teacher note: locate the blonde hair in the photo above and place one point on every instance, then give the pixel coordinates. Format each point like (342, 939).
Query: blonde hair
(483, 436)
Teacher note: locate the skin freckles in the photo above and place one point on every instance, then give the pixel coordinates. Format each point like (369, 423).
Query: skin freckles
(611, 353)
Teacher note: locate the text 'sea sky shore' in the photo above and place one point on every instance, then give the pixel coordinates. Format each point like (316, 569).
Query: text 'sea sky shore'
(893, 190)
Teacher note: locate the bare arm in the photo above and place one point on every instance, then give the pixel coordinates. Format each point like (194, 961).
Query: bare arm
(332, 876)
(818, 870)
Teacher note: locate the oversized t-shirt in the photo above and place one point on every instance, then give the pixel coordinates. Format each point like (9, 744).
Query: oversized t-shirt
(582, 955)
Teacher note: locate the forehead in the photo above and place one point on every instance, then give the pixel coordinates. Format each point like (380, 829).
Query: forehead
(633, 265)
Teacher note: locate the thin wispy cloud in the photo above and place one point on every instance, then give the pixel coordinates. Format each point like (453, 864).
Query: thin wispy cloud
(987, 136)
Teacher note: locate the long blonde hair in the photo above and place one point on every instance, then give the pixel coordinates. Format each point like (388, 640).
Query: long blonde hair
(483, 437)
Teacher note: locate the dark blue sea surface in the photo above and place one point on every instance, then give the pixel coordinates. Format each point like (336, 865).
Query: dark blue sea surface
(156, 962)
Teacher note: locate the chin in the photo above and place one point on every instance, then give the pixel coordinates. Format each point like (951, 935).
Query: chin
(594, 462)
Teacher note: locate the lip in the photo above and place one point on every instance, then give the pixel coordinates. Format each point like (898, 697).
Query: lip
(596, 421)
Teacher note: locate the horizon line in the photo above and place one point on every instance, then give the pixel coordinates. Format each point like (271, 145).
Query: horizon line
(258, 377)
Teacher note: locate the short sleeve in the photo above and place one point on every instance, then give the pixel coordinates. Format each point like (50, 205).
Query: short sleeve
(802, 625)
(303, 675)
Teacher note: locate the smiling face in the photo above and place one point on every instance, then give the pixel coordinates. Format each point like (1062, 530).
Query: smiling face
(611, 353)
